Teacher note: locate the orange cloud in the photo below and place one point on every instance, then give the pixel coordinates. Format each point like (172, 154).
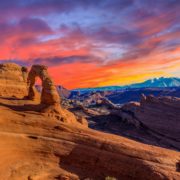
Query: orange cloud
(90, 75)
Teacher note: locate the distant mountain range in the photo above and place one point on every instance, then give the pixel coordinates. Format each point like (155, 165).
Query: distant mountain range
(151, 83)
(158, 82)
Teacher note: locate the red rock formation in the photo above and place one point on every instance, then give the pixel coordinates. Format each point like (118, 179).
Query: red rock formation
(49, 95)
(34, 146)
(50, 99)
(13, 80)
(159, 115)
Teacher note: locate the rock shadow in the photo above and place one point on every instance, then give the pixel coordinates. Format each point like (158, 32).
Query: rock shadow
(24, 107)
(99, 163)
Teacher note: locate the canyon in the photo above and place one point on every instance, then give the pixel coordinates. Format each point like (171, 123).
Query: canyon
(42, 140)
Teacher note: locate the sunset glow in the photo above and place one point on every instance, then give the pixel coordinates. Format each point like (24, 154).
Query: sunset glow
(87, 43)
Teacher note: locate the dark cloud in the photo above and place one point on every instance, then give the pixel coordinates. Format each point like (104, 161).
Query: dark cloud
(26, 31)
(32, 7)
(134, 24)
(69, 5)
(34, 25)
(117, 5)
(24, 8)
(53, 61)
(123, 36)
(20, 62)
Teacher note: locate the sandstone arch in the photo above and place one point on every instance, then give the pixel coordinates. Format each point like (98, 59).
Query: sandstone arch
(49, 94)
(50, 99)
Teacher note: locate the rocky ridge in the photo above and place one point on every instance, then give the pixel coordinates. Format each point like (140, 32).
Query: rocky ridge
(160, 116)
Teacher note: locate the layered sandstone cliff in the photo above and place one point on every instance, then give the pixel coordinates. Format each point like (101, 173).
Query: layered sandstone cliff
(158, 116)
(13, 80)
(161, 114)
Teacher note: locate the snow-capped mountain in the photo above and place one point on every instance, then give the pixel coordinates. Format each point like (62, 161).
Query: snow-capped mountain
(151, 83)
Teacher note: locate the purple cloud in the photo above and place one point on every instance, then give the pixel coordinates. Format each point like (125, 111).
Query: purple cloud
(139, 26)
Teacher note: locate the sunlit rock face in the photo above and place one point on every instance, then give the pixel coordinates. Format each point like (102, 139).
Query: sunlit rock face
(13, 80)
(17, 82)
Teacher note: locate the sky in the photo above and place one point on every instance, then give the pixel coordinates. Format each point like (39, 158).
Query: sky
(92, 43)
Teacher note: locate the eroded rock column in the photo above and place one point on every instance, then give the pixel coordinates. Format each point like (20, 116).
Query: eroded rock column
(33, 94)
(49, 94)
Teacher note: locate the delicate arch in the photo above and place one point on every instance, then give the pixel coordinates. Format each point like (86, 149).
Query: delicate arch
(49, 94)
